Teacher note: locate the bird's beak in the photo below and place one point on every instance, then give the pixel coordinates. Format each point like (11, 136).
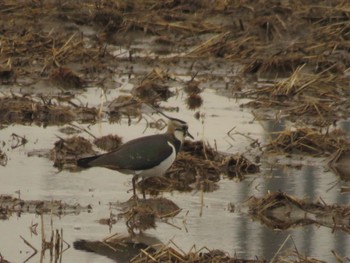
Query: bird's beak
(189, 135)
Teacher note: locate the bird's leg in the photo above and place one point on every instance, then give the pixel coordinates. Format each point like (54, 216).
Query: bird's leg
(143, 189)
(134, 179)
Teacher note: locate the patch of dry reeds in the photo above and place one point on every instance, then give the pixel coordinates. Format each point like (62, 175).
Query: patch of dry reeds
(310, 141)
(317, 99)
(172, 253)
(199, 166)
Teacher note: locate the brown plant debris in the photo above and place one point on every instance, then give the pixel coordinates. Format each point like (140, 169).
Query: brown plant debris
(172, 253)
(201, 150)
(306, 40)
(124, 105)
(23, 109)
(194, 101)
(317, 99)
(264, 36)
(109, 142)
(67, 78)
(43, 110)
(110, 19)
(282, 211)
(198, 166)
(159, 75)
(152, 92)
(192, 87)
(141, 214)
(10, 205)
(66, 151)
(237, 166)
(309, 140)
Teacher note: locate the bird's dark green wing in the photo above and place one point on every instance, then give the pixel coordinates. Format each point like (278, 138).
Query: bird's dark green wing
(139, 154)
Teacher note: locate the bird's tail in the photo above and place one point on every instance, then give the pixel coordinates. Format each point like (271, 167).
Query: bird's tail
(85, 162)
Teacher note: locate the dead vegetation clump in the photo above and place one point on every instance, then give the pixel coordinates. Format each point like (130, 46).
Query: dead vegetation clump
(152, 92)
(34, 48)
(25, 109)
(286, 22)
(234, 166)
(185, 171)
(237, 166)
(110, 19)
(279, 37)
(201, 150)
(317, 99)
(194, 101)
(124, 105)
(67, 78)
(44, 110)
(142, 214)
(310, 141)
(264, 36)
(66, 151)
(192, 87)
(109, 142)
(199, 166)
(188, 170)
(282, 211)
(172, 253)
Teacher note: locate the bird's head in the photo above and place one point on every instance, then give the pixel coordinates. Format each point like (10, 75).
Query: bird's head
(179, 128)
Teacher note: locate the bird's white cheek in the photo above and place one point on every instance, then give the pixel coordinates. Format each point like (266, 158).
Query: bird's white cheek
(179, 135)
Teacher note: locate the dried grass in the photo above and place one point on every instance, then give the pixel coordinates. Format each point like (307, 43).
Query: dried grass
(172, 253)
(199, 166)
(43, 110)
(317, 99)
(264, 38)
(310, 141)
(142, 214)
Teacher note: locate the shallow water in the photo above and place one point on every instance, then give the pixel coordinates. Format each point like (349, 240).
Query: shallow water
(217, 228)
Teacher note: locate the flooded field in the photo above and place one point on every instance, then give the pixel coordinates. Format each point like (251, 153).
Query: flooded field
(265, 178)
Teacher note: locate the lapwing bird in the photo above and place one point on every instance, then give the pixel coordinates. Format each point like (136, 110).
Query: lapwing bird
(145, 156)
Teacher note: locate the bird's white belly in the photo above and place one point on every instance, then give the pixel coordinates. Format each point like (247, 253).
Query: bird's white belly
(160, 169)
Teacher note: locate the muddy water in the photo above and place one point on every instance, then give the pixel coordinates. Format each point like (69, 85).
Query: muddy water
(212, 225)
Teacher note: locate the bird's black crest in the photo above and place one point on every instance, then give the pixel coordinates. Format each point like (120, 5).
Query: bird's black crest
(178, 120)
